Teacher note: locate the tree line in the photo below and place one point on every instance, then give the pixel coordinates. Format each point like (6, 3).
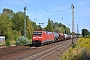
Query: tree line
(57, 27)
(12, 25)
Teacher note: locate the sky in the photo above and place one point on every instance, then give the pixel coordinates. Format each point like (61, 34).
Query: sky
(40, 10)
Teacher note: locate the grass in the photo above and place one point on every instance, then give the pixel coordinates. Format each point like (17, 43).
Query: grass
(81, 51)
(84, 42)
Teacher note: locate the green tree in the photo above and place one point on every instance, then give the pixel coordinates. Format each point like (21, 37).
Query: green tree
(60, 24)
(18, 24)
(34, 25)
(67, 30)
(18, 21)
(59, 29)
(8, 12)
(85, 32)
(56, 24)
(5, 25)
(29, 28)
(49, 27)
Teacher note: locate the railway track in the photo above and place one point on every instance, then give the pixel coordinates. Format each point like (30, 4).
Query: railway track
(43, 53)
(31, 53)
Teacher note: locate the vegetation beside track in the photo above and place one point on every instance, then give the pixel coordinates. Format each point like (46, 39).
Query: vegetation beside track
(80, 51)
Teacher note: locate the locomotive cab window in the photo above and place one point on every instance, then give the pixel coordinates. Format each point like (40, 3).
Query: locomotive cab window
(37, 33)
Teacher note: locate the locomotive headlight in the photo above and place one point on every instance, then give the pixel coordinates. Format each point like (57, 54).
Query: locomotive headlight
(34, 37)
(37, 37)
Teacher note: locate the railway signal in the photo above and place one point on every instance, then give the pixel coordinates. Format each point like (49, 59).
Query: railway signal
(73, 33)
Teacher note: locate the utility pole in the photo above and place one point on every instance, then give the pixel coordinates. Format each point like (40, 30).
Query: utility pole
(73, 33)
(25, 21)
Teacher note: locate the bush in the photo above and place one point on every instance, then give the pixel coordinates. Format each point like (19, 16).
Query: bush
(7, 42)
(22, 41)
(79, 51)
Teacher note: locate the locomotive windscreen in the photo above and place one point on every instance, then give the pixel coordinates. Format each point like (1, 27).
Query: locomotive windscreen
(37, 33)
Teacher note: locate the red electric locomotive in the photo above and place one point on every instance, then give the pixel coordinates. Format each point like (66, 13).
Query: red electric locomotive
(42, 37)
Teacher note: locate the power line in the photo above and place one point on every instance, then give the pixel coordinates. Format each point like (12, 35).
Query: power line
(42, 5)
(35, 9)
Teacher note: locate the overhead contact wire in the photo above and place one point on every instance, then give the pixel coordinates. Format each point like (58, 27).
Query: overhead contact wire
(35, 9)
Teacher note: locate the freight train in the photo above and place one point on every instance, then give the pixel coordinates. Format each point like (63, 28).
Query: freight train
(44, 37)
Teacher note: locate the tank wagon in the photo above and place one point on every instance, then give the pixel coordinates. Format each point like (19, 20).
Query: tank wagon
(66, 36)
(56, 36)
